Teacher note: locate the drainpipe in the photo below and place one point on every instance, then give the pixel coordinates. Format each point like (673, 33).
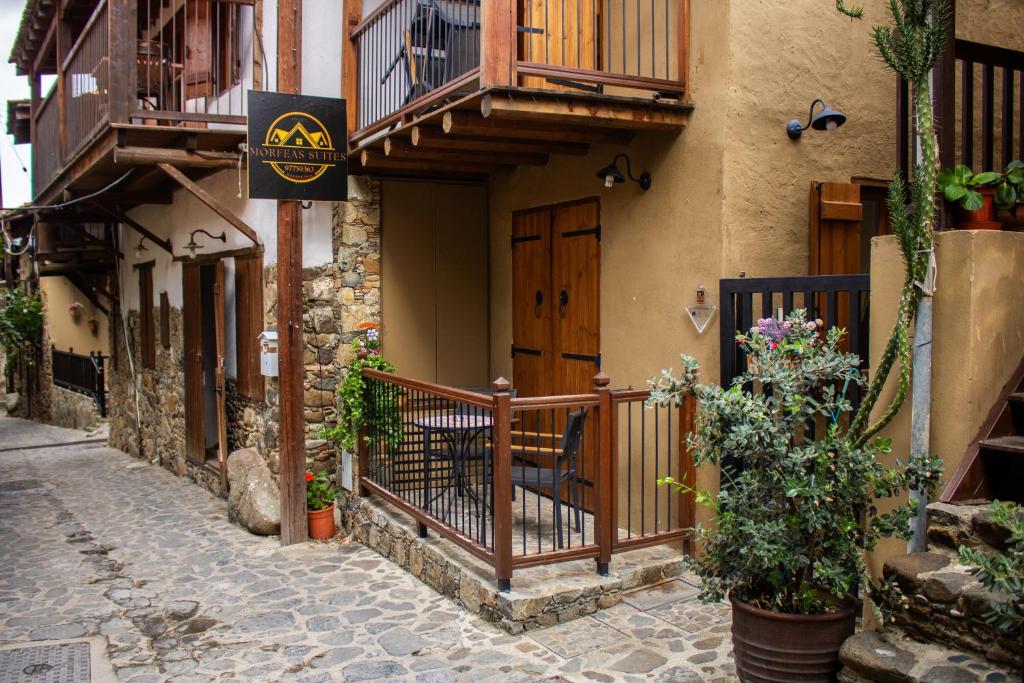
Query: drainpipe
(921, 407)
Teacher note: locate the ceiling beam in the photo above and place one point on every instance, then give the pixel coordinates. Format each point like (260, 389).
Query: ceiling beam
(461, 123)
(435, 138)
(121, 217)
(211, 201)
(372, 160)
(607, 114)
(401, 149)
(149, 156)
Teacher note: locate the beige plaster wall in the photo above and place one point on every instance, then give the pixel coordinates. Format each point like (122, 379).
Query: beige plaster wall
(994, 22)
(64, 332)
(978, 338)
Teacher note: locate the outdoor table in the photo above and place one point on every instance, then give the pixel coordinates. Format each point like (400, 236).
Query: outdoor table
(458, 432)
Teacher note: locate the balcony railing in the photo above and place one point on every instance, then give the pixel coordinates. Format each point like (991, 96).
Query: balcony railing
(81, 374)
(527, 481)
(184, 66)
(413, 54)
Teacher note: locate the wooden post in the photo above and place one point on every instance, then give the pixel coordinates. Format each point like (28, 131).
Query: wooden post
(122, 50)
(289, 303)
(687, 470)
(63, 40)
(497, 43)
(502, 483)
(604, 525)
(350, 54)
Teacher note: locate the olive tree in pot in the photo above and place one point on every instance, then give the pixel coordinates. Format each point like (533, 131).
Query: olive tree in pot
(798, 505)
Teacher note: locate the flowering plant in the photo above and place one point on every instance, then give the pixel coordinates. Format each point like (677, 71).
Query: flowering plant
(320, 491)
(798, 504)
(75, 307)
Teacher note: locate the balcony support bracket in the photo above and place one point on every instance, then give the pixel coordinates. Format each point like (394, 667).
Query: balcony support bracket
(211, 201)
(138, 227)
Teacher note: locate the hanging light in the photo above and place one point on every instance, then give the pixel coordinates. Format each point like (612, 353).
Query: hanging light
(611, 174)
(194, 246)
(827, 119)
(140, 247)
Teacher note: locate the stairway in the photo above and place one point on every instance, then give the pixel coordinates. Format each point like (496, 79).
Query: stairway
(941, 634)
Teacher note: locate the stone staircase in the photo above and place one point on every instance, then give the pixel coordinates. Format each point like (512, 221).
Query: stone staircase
(941, 635)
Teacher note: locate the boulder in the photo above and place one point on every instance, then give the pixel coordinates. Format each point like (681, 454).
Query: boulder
(240, 462)
(253, 501)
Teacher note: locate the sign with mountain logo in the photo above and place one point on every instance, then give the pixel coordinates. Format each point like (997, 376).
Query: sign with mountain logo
(297, 147)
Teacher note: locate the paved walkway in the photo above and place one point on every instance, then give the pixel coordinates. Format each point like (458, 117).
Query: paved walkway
(95, 543)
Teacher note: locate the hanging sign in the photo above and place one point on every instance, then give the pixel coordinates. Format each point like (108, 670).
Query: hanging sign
(297, 147)
(701, 311)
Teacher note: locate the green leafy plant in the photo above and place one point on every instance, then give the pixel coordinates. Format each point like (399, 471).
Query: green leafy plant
(320, 492)
(21, 319)
(793, 522)
(958, 186)
(1003, 572)
(384, 418)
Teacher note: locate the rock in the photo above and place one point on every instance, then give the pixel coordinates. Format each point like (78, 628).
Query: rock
(641, 661)
(989, 532)
(240, 462)
(876, 659)
(948, 674)
(907, 568)
(254, 502)
(13, 403)
(947, 586)
(399, 642)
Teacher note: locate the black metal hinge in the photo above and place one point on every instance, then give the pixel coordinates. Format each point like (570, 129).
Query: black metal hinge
(516, 239)
(525, 351)
(595, 231)
(595, 359)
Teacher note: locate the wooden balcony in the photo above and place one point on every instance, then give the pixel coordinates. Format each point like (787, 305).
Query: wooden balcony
(124, 99)
(468, 87)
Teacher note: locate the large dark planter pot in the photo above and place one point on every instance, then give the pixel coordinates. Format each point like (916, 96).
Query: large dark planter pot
(783, 648)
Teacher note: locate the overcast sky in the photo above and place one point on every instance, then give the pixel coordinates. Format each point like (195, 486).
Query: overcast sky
(12, 87)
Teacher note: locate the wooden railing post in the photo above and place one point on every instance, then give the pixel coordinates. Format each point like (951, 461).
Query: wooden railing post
(502, 416)
(122, 49)
(497, 43)
(350, 53)
(604, 525)
(362, 449)
(687, 471)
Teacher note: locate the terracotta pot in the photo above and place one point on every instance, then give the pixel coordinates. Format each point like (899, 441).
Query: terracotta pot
(771, 646)
(321, 523)
(984, 218)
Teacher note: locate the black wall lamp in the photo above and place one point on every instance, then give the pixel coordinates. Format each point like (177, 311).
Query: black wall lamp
(826, 119)
(611, 174)
(192, 245)
(140, 247)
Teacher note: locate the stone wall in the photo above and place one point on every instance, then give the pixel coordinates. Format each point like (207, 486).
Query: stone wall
(73, 410)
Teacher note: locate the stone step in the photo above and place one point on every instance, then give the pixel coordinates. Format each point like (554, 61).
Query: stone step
(946, 604)
(891, 656)
(952, 525)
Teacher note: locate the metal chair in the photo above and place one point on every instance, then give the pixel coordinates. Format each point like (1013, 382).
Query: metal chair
(564, 466)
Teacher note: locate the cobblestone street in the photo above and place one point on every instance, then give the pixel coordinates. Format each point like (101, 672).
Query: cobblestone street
(98, 544)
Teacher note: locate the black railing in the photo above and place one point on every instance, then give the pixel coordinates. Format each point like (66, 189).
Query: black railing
(836, 299)
(81, 374)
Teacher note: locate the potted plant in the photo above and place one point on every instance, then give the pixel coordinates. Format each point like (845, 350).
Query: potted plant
(75, 309)
(319, 505)
(798, 506)
(94, 326)
(977, 196)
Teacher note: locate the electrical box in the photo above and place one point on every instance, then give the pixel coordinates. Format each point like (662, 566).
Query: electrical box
(268, 353)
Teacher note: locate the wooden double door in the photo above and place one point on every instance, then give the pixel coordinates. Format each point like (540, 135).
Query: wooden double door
(556, 349)
(204, 360)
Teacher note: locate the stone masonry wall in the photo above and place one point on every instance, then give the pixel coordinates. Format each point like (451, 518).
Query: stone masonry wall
(73, 410)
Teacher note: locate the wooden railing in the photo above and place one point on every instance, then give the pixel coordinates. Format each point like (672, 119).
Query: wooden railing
(46, 155)
(503, 477)
(979, 108)
(81, 374)
(409, 55)
(86, 81)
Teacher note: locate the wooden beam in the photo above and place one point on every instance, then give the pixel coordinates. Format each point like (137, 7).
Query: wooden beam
(209, 257)
(138, 227)
(373, 159)
(130, 197)
(497, 43)
(150, 156)
(211, 201)
(584, 113)
(350, 76)
(400, 149)
(463, 123)
(82, 286)
(435, 138)
(122, 60)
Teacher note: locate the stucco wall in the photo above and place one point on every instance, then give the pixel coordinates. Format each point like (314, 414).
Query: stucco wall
(66, 332)
(978, 338)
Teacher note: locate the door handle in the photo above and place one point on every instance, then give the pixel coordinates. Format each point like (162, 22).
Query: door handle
(563, 301)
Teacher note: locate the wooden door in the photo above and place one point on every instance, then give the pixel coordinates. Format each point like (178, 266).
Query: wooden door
(219, 374)
(195, 432)
(575, 258)
(836, 239)
(532, 342)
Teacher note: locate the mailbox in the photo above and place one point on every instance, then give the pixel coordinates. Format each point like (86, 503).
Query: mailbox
(268, 353)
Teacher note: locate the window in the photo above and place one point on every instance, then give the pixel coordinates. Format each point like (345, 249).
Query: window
(147, 332)
(249, 323)
(165, 321)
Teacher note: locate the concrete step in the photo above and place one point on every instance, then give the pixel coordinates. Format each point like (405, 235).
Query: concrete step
(891, 656)
(953, 525)
(947, 605)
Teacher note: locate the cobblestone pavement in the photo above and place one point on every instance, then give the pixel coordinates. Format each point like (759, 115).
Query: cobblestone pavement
(95, 543)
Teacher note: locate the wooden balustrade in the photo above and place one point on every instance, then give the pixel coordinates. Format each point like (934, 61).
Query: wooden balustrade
(46, 154)
(503, 478)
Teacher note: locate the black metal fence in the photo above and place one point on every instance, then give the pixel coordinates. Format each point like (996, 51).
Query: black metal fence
(836, 299)
(81, 374)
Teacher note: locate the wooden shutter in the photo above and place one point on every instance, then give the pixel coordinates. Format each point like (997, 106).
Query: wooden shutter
(836, 213)
(249, 324)
(195, 431)
(531, 303)
(576, 299)
(147, 332)
(165, 321)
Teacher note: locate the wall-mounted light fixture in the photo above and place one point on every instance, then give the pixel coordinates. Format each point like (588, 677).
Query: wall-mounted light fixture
(192, 245)
(140, 247)
(826, 119)
(611, 174)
